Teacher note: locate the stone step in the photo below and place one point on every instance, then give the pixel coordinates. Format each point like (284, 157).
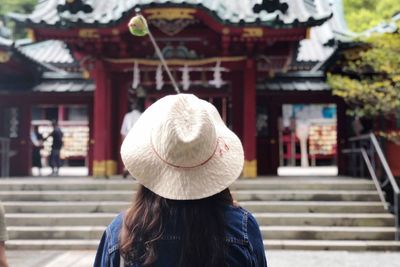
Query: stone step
(347, 245)
(307, 213)
(92, 244)
(314, 206)
(55, 232)
(78, 195)
(304, 184)
(253, 206)
(315, 195)
(53, 244)
(328, 232)
(325, 219)
(259, 184)
(65, 206)
(268, 232)
(103, 219)
(59, 219)
(242, 195)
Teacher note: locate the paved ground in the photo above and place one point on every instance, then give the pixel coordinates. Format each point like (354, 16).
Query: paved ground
(64, 171)
(50, 258)
(308, 171)
(275, 259)
(332, 259)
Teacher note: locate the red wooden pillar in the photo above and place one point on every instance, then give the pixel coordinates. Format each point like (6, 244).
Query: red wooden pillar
(90, 154)
(237, 103)
(103, 162)
(249, 119)
(21, 162)
(61, 113)
(123, 108)
(16, 119)
(341, 136)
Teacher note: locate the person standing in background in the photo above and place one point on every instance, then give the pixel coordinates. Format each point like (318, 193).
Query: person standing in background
(129, 121)
(3, 238)
(37, 143)
(55, 160)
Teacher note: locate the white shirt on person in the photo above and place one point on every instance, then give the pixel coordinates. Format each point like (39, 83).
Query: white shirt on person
(129, 120)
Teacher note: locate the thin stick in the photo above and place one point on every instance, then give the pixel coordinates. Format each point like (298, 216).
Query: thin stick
(158, 51)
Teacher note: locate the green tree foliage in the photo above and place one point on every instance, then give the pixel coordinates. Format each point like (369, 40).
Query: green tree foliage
(362, 15)
(19, 6)
(371, 80)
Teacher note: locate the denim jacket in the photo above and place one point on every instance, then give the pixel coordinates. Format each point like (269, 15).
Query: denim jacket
(245, 243)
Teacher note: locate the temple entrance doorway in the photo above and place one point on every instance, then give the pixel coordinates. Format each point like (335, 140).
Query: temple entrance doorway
(73, 121)
(307, 139)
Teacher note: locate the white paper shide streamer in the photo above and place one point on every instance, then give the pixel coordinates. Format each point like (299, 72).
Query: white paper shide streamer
(185, 78)
(218, 82)
(159, 77)
(136, 76)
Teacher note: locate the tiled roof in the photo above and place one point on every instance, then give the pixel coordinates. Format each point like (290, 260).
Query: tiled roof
(9, 46)
(48, 54)
(236, 12)
(391, 26)
(29, 61)
(65, 86)
(313, 49)
(323, 38)
(51, 51)
(297, 86)
(4, 31)
(17, 72)
(296, 82)
(5, 42)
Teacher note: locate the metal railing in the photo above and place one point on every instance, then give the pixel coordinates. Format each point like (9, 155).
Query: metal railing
(4, 157)
(366, 149)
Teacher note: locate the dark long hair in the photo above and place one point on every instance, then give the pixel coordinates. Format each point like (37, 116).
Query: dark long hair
(202, 236)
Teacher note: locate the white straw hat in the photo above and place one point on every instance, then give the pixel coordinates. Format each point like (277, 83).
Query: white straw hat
(181, 149)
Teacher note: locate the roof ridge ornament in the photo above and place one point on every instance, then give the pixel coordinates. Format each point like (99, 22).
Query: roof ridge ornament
(74, 6)
(271, 6)
(109, 13)
(178, 52)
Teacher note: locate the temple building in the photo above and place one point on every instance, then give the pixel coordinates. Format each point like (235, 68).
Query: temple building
(260, 63)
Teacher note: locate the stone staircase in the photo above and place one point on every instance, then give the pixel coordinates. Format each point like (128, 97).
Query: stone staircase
(324, 213)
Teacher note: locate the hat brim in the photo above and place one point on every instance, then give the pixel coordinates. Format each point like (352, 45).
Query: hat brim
(170, 182)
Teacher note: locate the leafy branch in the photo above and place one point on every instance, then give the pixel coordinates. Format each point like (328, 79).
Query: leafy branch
(370, 80)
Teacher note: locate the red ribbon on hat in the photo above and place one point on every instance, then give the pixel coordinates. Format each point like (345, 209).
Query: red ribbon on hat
(221, 151)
